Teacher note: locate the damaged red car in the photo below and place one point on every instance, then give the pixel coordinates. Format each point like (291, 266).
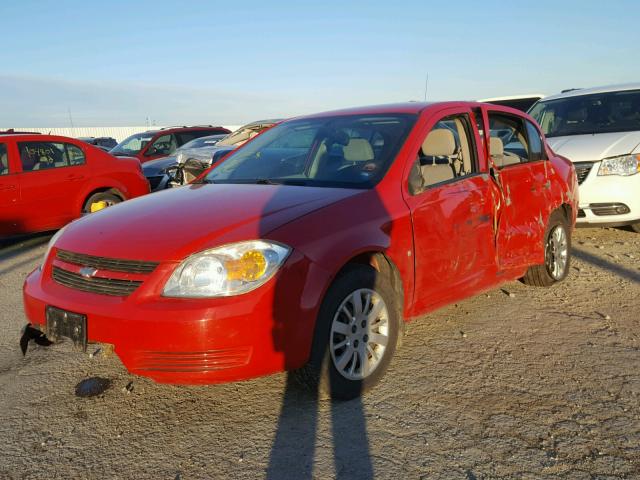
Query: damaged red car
(309, 247)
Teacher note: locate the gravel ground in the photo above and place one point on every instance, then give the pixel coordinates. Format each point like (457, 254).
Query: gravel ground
(519, 382)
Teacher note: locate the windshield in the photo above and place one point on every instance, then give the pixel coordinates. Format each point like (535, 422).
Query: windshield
(133, 144)
(589, 114)
(344, 151)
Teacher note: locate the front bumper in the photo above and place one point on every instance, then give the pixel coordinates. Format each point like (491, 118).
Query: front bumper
(196, 341)
(603, 199)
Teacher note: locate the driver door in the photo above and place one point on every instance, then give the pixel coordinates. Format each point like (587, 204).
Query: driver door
(450, 200)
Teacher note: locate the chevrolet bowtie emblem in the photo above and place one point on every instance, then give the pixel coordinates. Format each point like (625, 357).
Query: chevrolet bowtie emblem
(88, 272)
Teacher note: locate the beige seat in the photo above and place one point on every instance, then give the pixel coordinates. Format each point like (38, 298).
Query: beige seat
(358, 150)
(499, 156)
(439, 143)
(4, 164)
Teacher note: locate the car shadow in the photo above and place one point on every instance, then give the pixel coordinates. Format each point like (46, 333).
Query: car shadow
(18, 245)
(601, 263)
(294, 446)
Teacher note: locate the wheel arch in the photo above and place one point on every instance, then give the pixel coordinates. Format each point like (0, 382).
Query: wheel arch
(383, 264)
(113, 190)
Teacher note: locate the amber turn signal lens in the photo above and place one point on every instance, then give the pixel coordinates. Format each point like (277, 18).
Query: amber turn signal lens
(250, 267)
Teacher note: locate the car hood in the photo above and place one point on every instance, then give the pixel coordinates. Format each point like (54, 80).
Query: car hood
(156, 167)
(583, 148)
(173, 224)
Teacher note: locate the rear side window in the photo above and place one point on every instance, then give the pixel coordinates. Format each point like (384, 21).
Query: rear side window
(44, 155)
(508, 142)
(536, 152)
(4, 160)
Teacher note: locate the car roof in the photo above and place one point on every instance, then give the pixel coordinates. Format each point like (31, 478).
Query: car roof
(512, 97)
(38, 137)
(410, 108)
(589, 91)
(185, 128)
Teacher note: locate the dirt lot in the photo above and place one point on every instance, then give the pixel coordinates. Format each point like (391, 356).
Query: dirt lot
(539, 383)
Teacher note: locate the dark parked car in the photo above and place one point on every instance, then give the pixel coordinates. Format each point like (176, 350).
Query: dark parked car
(156, 170)
(160, 173)
(155, 144)
(105, 143)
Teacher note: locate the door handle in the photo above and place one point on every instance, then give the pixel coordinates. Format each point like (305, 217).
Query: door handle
(547, 185)
(73, 177)
(7, 187)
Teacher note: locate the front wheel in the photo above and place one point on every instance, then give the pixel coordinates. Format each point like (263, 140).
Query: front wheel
(355, 337)
(557, 254)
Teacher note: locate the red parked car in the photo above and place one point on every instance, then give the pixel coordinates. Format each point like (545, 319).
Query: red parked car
(154, 144)
(307, 248)
(46, 181)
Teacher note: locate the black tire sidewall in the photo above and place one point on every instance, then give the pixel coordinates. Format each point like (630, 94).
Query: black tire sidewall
(351, 279)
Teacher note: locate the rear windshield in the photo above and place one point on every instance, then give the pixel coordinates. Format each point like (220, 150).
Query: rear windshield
(351, 151)
(589, 114)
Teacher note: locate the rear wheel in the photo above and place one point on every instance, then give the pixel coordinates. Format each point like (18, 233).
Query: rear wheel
(356, 335)
(100, 201)
(557, 254)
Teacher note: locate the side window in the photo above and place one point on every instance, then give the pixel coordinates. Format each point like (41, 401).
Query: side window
(43, 155)
(4, 160)
(164, 145)
(448, 152)
(536, 151)
(508, 142)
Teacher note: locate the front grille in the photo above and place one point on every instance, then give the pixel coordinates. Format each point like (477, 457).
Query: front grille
(582, 170)
(101, 285)
(155, 181)
(102, 263)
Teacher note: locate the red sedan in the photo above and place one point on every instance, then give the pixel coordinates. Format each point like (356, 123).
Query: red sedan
(307, 248)
(46, 181)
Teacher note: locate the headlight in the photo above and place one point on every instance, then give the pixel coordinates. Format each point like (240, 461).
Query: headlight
(52, 242)
(623, 165)
(229, 270)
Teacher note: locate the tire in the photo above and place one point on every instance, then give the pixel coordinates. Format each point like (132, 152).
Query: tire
(105, 199)
(635, 227)
(327, 373)
(554, 269)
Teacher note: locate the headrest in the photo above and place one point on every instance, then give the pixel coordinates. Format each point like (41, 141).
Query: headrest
(439, 143)
(358, 150)
(495, 146)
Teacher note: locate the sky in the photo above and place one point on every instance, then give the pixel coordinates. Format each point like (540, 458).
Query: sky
(122, 63)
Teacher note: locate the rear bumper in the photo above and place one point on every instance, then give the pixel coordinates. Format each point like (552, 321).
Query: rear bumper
(196, 341)
(609, 200)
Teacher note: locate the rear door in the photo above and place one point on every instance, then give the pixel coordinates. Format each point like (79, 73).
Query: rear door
(9, 191)
(53, 173)
(450, 203)
(521, 169)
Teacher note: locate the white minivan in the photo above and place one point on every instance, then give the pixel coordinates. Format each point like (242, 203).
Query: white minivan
(598, 129)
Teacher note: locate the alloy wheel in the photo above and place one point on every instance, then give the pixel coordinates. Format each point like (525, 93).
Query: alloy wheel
(557, 250)
(359, 334)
